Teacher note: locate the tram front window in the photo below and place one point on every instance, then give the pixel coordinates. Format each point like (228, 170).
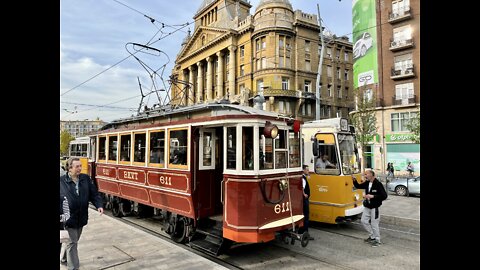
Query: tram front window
(348, 154)
(326, 159)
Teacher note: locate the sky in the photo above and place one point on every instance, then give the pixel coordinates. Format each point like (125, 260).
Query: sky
(98, 76)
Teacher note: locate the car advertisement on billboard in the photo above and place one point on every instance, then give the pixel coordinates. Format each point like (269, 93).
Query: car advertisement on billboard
(365, 66)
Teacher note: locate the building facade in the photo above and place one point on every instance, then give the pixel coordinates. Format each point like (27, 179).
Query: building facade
(336, 96)
(80, 128)
(395, 82)
(233, 55)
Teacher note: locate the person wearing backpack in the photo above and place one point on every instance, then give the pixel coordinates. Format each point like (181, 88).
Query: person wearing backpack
(374, 195)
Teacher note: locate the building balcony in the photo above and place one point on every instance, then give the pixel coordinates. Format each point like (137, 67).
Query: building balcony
(397, 74)
(279, 93)
(396, 45)
(404, 100)
(399, 15)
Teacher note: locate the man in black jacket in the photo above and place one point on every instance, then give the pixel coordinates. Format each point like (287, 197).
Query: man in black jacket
(306, 200)
(374, 195)
(79, 189)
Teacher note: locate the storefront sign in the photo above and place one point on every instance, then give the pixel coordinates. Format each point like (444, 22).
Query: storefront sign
(398, 137)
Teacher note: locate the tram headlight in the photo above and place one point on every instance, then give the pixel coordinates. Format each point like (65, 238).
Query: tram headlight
(282, 184)
(270, 130)
(356, 196)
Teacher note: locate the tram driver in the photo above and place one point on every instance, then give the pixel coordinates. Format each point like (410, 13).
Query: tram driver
(323, 163)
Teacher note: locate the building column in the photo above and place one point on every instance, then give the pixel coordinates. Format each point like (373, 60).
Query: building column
(231, 72)
(220, 76)
(191, 87)
(183, 96)
(199, 82)
(209, 79)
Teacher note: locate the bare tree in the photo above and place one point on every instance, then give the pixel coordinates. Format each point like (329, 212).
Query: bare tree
(364, 119)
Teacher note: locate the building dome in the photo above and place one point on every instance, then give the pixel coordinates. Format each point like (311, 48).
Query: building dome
(272, 3)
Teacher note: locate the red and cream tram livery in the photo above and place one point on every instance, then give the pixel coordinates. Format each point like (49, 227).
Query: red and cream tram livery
(227, 167)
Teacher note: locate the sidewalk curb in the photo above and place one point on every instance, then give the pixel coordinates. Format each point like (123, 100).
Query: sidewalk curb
(399, 221)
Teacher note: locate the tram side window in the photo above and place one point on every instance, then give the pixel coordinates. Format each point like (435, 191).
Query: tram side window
(112, 148)
(281, 150)
(157, 147)
(326, 161)
(83, 150)
(247, 148)
(294, 149)
(140, 142)
(125, 146)
(266, 151)
(231, 148)
(101, 148)
(178, 147)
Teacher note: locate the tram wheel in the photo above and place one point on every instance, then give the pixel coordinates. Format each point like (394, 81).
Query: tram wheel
(179, 230)
(305, 239)
(116, 207)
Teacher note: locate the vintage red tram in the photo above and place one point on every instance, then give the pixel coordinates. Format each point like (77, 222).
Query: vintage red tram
(208, 171)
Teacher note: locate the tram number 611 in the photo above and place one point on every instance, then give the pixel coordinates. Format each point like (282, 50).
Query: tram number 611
(280, 208)
(166, 180)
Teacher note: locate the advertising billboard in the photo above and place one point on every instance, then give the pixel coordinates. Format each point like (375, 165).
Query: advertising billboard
(365, 66)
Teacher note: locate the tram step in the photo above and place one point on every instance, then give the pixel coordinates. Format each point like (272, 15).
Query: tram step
(212, 231)
(207, 246)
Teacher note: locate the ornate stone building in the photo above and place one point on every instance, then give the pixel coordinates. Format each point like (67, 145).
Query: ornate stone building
(233, 55)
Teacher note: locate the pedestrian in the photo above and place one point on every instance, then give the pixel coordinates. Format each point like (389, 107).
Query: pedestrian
(64, 216)
(390, 170)
(410, 169)
(79, 189)
(306, 200)
(374, 195)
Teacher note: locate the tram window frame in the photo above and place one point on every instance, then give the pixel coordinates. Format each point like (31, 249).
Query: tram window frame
(327, 142)
(184, 155)
(153, 149)
(248, 143)
(207, 153)
(280, 150)
(113, 151)
(294, 160)
(231, 144)
(143, 148)
(265, 147)
(102, 141)
(128, 150)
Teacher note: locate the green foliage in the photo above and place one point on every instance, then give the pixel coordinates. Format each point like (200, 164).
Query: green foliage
(363, 118)
(65, 139)
(414, 126)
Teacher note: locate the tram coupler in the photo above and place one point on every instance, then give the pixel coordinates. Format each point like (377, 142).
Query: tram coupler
(291, 236)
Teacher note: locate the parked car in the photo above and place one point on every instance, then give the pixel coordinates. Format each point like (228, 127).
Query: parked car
(405, 186)
(362, 45)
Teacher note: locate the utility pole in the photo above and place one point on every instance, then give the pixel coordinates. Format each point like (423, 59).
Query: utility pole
(320, 64)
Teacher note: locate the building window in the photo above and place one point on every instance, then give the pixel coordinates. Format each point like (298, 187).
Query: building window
(264, 62)
(259, 85)
(329, 53)
(287, 62)
(264, 43)
(338, 53)
(285, 83)
(399, 121)
(404, 92)
(308, 66)
(338, 73)
(329, 90)
(307, 86)
(329, 71)
(347, 58)
(401, 34)
(403, 62)
(346, 74)
(400, 7)
(339, 92)
(281, 42)
(307, 46)
(242, 70)
(242, 51)
(281, 62)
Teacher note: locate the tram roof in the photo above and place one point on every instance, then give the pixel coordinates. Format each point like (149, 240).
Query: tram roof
(170, 111)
